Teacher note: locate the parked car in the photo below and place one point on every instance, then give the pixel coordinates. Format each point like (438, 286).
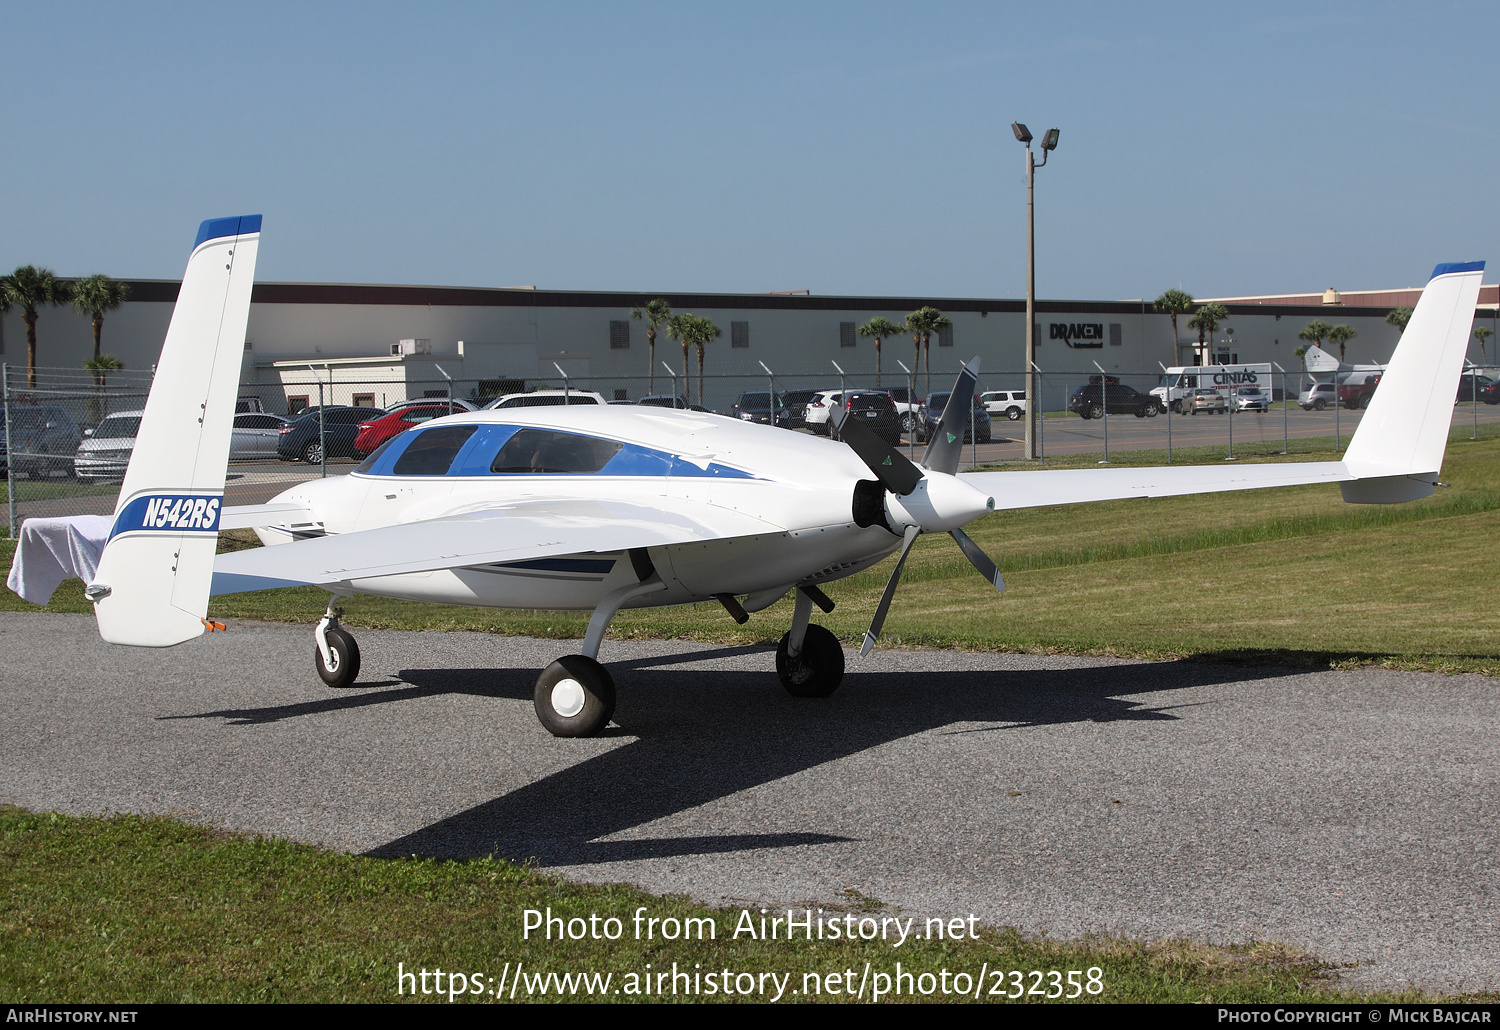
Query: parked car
(796, 402)
(1010, 403)
(1490, 394)
(43, 440)
(298, 440)
(1357, 389)
(546, 398)
(458, 404)
(377, 431)
(256, 436)
(244, 404)
(1317, 397)
(874, 410)
(908, 407)
(932, 414)
(1471, 387)
(105, 451)
(818, 409)
(755, 406)
(1206, 401)
(665, 400)
(1092, 401)
(1251, 398)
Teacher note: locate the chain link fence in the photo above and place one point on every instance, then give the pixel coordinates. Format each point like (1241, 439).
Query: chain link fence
(69, 432)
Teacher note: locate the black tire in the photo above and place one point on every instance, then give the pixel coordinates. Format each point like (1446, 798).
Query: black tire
(1319, 404)
(1152, 409)
(908, 422)
(1014, 414)
(1095, 411)
(313, 453)
(1177, 407)
(1364, 402)
(817, 670)
(344, 651)
(574, 697)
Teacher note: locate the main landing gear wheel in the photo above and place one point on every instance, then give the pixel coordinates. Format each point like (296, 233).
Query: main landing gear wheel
(575, 697)
(817, 669)
(342, 667)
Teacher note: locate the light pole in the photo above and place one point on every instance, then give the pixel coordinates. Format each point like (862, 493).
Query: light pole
(1049, 143)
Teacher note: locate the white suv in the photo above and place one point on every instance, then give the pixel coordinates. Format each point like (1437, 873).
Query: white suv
(820, 407)
(1010, 403)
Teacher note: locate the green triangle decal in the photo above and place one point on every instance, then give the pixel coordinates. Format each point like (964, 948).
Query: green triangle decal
(887, 460)
(951, 438)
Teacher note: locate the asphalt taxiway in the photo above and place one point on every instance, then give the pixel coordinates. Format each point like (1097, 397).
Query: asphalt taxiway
(1354, 814)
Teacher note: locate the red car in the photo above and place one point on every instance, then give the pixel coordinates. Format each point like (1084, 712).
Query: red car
(376, 432)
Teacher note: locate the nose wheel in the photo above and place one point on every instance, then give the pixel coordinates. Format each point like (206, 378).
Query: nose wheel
(575, 697)
(817, 669)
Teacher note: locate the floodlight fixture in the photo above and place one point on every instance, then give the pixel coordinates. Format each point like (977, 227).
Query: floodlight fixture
(1049, 141)
(1023, 134)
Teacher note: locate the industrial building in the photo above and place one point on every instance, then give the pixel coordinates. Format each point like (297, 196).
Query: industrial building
(484, 341)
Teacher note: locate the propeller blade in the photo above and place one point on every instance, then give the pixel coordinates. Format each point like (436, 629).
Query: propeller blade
(890, 466)
(946, 446)
(873, 633)
(979, 559)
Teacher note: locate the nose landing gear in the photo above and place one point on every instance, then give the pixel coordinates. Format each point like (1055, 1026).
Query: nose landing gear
(809, 659)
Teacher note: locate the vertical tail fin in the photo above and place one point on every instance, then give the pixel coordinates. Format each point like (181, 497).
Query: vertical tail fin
(1397, 451)
(151, 587)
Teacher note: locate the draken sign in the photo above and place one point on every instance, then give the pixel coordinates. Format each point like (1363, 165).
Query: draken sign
(1077, 334)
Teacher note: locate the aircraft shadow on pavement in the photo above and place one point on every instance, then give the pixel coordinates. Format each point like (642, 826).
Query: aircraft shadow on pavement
(699, 739)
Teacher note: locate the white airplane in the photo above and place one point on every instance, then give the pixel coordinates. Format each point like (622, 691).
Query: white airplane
(598, 509)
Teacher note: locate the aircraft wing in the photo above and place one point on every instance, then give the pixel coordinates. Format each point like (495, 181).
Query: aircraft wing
(512, 532)
(248, 516)
(1039, 489)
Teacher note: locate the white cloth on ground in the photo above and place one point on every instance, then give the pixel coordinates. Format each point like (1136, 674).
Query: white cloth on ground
(52, 550)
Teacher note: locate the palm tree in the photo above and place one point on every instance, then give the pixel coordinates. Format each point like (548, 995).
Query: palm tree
(1398, 317)
(1482, 332)
(1173, 303)
(1341, 335)
(101, 365)
(879, 328)
(697, 331)
(1315, 332)
(93, 295)
(1206, 321)
(656, 312)
(27, 288)
(922, 323)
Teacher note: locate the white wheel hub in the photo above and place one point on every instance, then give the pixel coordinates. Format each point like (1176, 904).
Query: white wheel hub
(567, 698)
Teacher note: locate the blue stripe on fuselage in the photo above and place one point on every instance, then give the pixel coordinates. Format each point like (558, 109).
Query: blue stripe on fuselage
(478, 453)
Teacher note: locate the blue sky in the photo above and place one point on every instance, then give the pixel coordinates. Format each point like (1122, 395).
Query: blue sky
(859, 148)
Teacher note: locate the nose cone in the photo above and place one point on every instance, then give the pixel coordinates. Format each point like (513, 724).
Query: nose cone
(939, 503)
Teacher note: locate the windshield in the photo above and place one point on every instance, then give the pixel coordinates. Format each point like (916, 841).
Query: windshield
(118, 428)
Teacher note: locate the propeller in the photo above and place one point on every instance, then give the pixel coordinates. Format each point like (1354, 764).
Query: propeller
(919, 501)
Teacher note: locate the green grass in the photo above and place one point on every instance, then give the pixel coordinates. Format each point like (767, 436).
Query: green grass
(130, 909)
(139, 909)
(1291, 576)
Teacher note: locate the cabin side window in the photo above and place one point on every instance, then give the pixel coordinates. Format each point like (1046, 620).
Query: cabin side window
(546, 451)
(433, 451)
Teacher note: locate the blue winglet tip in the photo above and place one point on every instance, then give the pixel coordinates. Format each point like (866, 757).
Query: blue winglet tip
(235, 225)
(1458, 266)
